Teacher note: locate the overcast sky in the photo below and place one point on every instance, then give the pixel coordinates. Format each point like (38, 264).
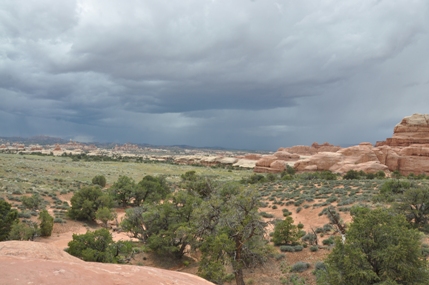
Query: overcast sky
(245, 74)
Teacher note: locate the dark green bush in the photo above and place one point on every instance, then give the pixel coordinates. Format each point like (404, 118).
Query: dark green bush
(266, 215)
(99, 180)
(328, 241)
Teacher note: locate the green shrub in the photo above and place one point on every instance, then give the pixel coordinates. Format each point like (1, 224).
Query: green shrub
(328, 241)
(309, 238)
(319, 265)
(300, 266)
(351, 174)
(25, 215)
(9, 217)
(285, 232)
(58, 220)
(298, 247)
(314, 248)
(99, 180)
(425, 250)
(287, 248)
(24, 231)
(279, 256)
(46, 224)
(327, 227)
(266, 215)
(86, 202)
(98, 246)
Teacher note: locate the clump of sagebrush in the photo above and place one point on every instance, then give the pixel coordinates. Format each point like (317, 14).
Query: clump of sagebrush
(300, 266)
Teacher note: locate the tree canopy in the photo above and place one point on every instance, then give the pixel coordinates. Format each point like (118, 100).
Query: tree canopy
(220, 220)
(8, 217)
(46, 223)
(285, 232)
(380, 248)
(98, 246)
(86, 202)
(231, 232)
(99, 180)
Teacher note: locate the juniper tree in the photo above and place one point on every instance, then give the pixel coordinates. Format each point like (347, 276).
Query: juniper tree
(380, 248)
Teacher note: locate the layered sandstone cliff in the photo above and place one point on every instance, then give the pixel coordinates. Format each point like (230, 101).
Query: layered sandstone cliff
(411, 130)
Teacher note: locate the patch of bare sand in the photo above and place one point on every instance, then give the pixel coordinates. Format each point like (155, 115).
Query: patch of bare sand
(308, 217)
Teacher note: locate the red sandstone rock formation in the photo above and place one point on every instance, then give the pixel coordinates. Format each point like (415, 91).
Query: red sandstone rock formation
(407, 151)
(310, 150)
(360, 157)
(263, 164)
(252, 156)
(24, 262)
(411, 130)
(320, 161)
(266, 160)
(278, 165)
(277, 162)
(387, 156)
(286, 156)
(300, 150)
(325, 147)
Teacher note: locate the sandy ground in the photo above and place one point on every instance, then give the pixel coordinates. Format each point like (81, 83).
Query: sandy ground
(63, 233)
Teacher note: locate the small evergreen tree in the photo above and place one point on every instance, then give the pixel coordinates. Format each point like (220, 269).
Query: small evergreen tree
(8, 217)
(169, 225)
(105, 214)
(123, 190)
(46, 223)
(150, 189)
(98, 246)
(86, 202)
(414, 204)
(99, 180)
(230, 231)
(285, 232)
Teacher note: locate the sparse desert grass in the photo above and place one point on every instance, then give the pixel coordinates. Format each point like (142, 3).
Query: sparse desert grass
(48, 174)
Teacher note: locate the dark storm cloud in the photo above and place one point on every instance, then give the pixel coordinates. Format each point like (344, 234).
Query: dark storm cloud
(253, 74)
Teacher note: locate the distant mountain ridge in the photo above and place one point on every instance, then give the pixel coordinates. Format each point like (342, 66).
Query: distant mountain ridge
(48, 140)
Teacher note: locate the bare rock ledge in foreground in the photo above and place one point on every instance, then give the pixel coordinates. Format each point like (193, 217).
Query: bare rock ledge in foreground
(23, 262)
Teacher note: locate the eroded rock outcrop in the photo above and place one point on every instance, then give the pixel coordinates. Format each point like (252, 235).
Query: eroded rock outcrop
(23, 262)
(278, 162)
(407, 151)
(304, 150)
(361, 157)
(411, 130)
